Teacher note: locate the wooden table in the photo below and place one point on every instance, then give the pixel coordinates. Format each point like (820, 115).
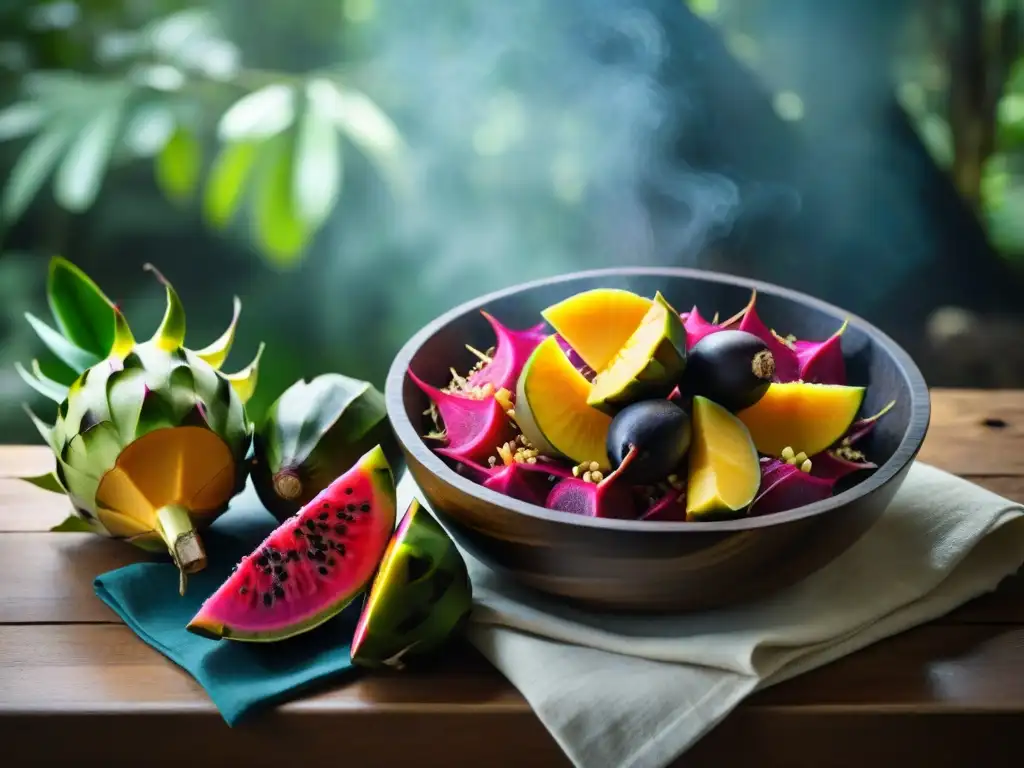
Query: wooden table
(78, 688)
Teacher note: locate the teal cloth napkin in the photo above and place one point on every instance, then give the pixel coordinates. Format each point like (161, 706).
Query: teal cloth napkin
(240, 678)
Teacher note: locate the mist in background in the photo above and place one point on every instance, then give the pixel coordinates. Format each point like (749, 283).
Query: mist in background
(482, 144)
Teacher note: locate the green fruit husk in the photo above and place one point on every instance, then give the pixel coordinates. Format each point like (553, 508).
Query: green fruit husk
(314, 432)
(653, 375)
(420, 599)
(142, 410)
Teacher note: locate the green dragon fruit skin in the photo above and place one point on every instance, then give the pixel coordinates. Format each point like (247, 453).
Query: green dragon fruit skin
(473, 427)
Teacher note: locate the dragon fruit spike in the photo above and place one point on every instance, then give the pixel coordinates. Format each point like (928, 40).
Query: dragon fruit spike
(843, 459)
(830, 466)
(862, 427)
(821, 362)
(697, 327)
(669, 508)
(787, 367)
(603, 499)
(511, 351)
(787, 486)
(472, 426)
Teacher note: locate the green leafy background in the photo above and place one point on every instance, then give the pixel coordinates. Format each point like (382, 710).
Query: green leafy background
(347, 167)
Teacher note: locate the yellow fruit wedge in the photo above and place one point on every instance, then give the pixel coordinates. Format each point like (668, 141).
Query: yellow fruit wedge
(552, 411)
(805, 417)
(724, 469)
(647, 365)
(597, 323)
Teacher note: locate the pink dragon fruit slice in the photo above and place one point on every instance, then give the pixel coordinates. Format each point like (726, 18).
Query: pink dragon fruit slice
(669, 508)
(697, 327)
(843, 458)
(821, 362)
(607, 498)
(832, 466)
(787, 368)
(520, 480)
(511, 351)
(863, 427)
(785, 486)
(591, 499)
(472, 426)
(576, 361)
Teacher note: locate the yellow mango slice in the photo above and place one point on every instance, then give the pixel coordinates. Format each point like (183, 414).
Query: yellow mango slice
(597, 323)
(805, 417)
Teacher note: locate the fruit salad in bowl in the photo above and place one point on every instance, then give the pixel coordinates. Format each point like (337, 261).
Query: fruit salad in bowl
(655, 439)
(619, 406)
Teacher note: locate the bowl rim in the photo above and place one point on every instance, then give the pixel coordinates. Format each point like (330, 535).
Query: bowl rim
(910, 444)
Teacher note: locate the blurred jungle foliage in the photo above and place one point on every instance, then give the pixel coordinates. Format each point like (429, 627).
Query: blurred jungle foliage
(351, 168)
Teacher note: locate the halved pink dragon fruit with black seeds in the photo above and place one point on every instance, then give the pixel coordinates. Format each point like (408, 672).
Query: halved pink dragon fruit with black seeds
(472, 426)
(786, 486)
(607, 498)
(787, 367)
(521, 480)
(511, 351)
(821, 362)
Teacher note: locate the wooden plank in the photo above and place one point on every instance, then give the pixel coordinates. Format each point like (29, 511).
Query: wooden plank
(47, 577)
(976, 432)
(23, 507)
(69, 679)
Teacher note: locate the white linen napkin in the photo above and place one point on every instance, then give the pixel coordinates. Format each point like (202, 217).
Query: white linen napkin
(623, 692)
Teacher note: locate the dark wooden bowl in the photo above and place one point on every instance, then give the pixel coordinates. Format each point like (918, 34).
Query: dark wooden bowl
(628, 565)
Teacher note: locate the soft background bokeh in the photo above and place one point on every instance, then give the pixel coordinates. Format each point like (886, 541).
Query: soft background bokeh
(351, 168)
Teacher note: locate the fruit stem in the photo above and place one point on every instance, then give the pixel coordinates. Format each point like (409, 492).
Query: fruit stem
(626, 461)
(175, 527)
(287, 485)
(763, 365)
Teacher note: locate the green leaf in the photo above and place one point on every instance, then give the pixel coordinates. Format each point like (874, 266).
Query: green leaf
(365, 124)
(81, 173)
(45, 430)
(20, 119)
(281, 232)
(33, 168)
(318, 164)
(76, 357)
(47, 482)
(44, 386)
(259, 115)
(73, 524)
(231, 170)
(178, 165)
(83, 312)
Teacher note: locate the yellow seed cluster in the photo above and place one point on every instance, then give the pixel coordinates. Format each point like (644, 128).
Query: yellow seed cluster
(516, 451)
(504, 398)
(796, 459)
(671, 484)
(588, 471)
(848, 452)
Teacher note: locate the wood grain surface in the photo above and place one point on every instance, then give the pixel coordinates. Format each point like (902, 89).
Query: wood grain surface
(78, 688)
